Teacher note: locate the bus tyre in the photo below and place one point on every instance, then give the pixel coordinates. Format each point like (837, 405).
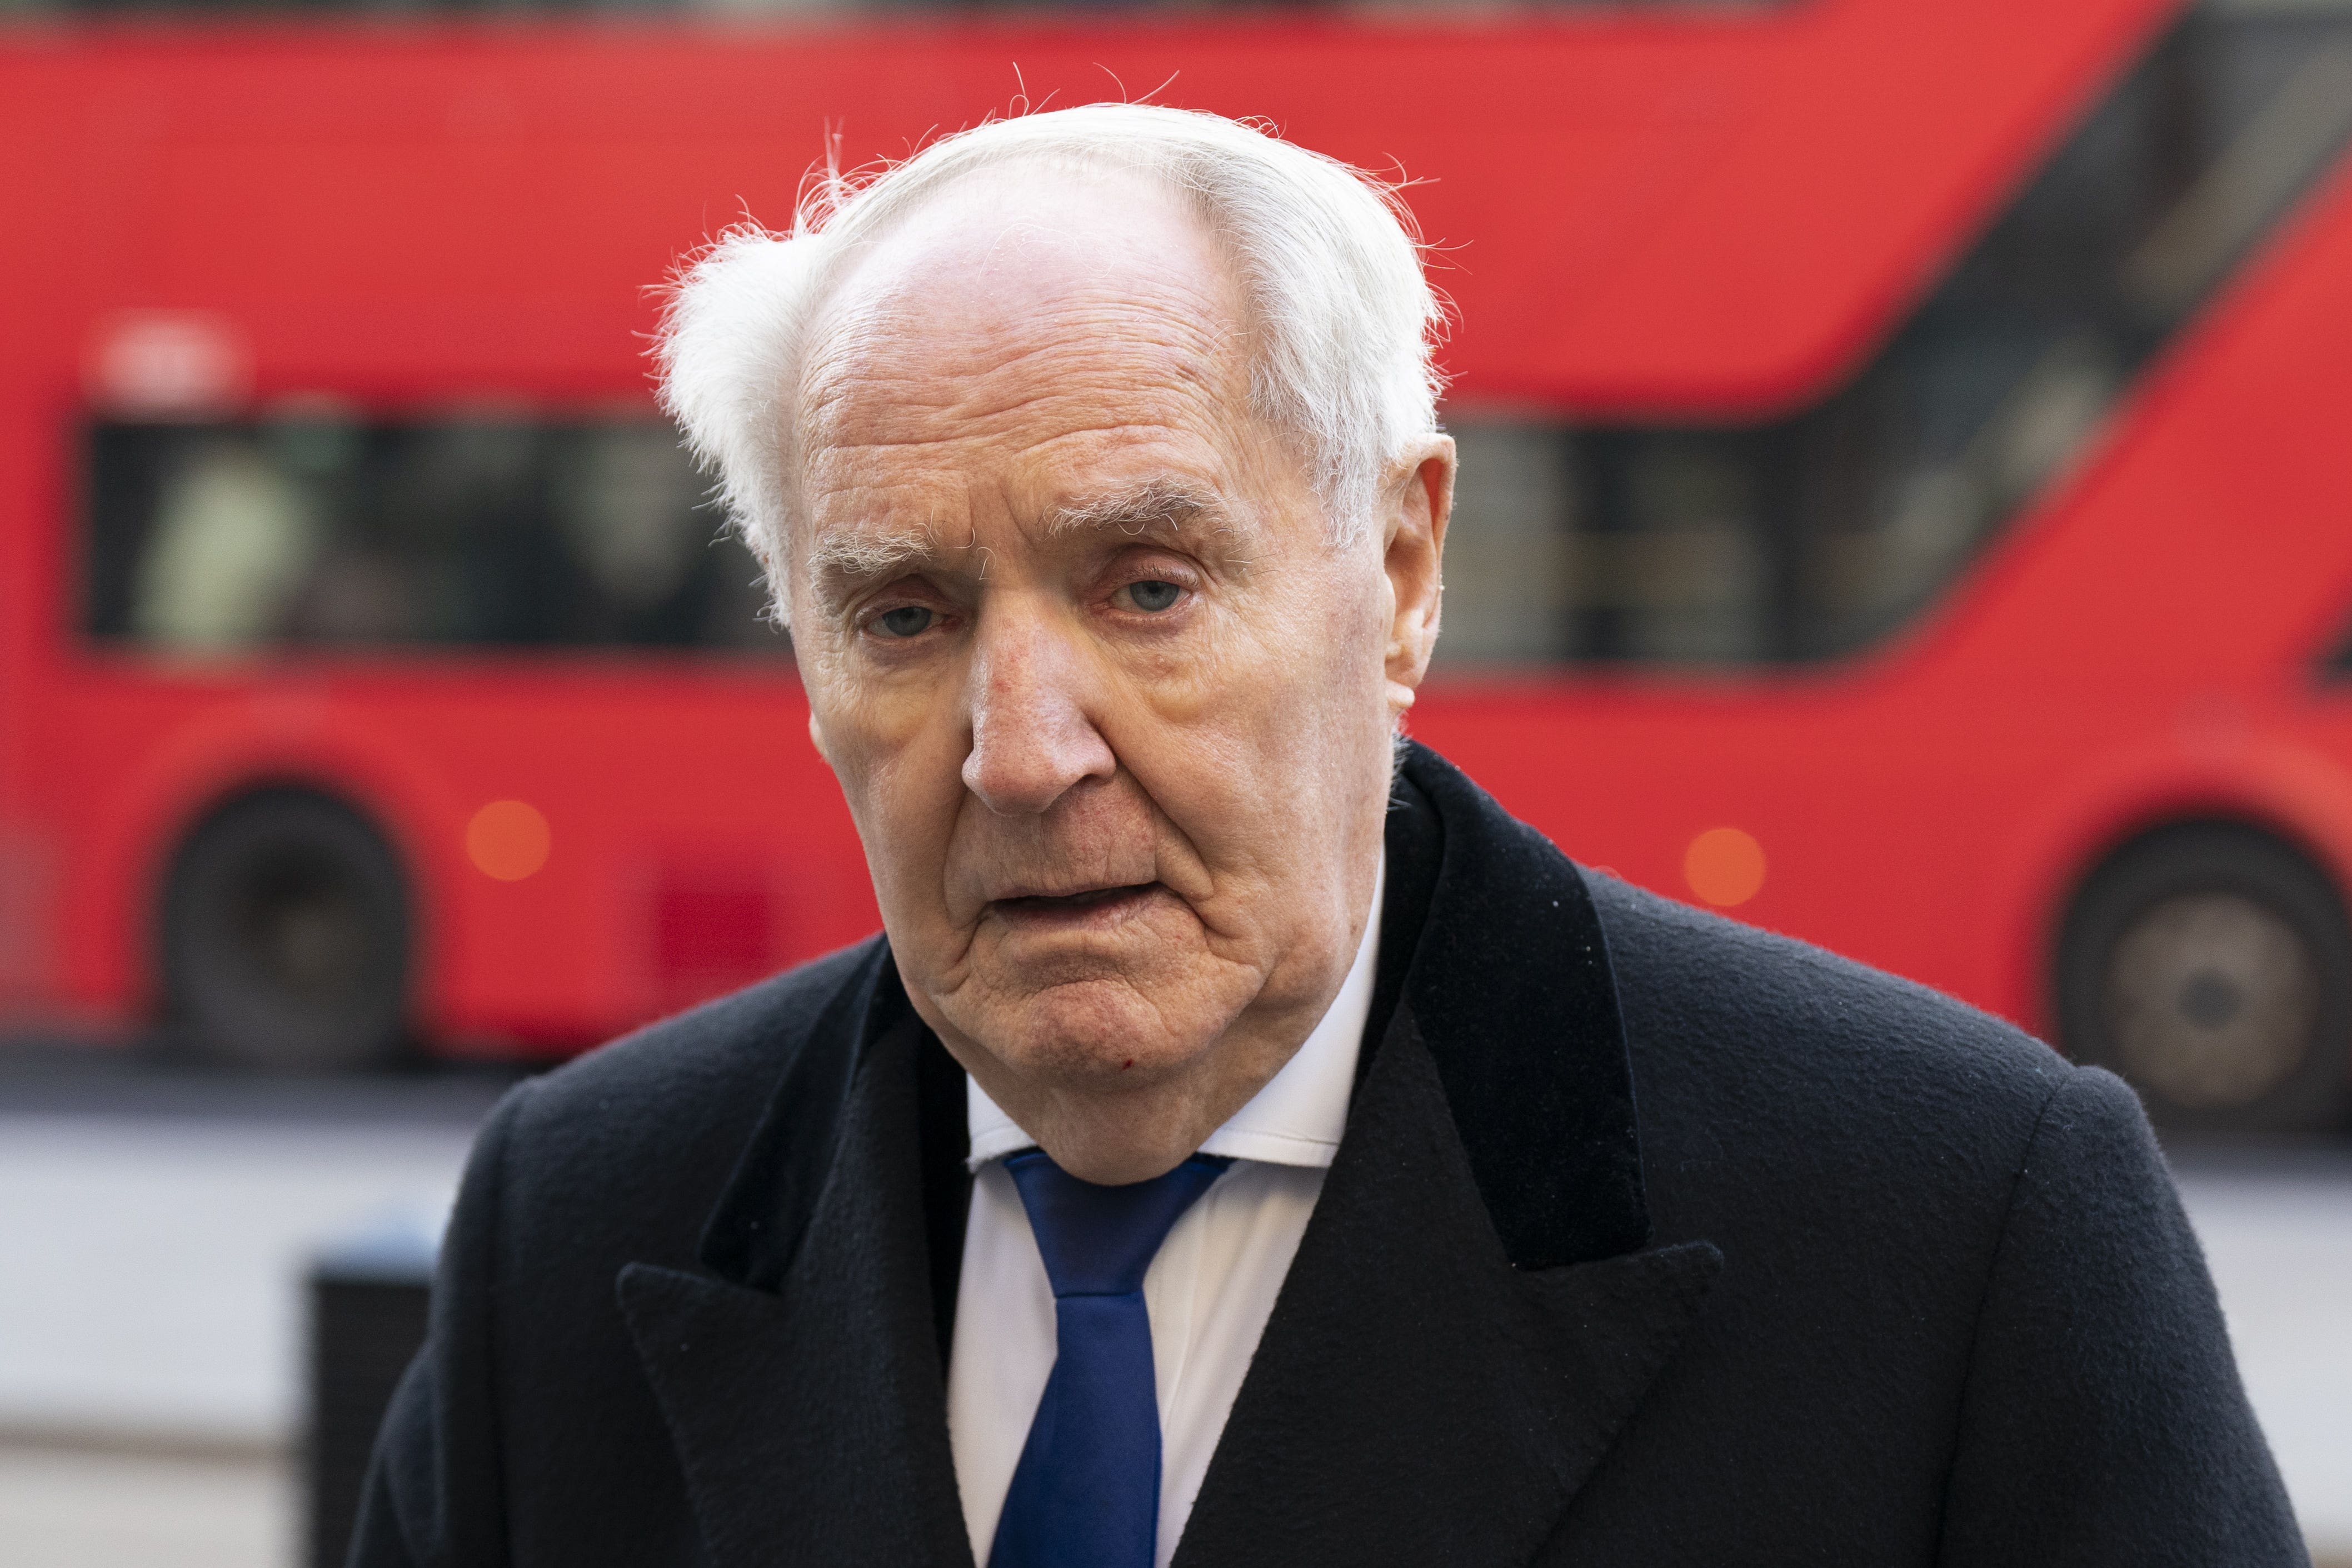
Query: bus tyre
(2211, 965)
(285, 939)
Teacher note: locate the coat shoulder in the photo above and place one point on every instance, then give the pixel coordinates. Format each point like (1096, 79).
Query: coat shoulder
(635, 1139)
(711, 1052)
(1696, 987)
(1766, 1069)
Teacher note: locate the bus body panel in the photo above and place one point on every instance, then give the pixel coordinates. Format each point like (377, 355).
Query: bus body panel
(2146, 648)
(1705, 214)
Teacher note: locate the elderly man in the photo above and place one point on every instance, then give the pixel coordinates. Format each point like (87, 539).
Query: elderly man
(1246, 1143)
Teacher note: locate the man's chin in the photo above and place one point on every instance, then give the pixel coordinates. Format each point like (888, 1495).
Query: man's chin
(1092, 1035)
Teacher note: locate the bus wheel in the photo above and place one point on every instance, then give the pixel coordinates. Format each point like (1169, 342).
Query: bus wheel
(285, 939)
(2211, 965)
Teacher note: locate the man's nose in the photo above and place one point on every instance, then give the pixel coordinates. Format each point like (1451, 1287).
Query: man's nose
(1031, 736)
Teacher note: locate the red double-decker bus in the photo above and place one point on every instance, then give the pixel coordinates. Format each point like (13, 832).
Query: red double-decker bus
(1903, 499)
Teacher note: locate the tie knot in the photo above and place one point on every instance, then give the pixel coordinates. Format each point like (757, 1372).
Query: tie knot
(1098, 1241)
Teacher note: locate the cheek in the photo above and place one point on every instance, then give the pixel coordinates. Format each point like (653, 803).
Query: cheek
(900, 764)
(867, 719)
(1310, 672)
(840, 732)
(1254, 749)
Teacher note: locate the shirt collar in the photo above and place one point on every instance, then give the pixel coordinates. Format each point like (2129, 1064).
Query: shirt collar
(1297, 1119)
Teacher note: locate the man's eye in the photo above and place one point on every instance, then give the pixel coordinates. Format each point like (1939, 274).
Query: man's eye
(906, 621)
(1153, 595)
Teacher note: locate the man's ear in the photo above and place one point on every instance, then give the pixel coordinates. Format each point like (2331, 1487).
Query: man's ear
(1420, 502)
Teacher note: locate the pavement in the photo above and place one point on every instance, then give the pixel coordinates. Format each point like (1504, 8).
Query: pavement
(157, 1227)
(2277, 1231)
(82, 1508)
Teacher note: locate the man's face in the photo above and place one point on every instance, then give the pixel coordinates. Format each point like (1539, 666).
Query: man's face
(1112, 716)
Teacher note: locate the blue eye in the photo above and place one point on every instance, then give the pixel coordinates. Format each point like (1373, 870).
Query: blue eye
(906, 621)
(1154, 595)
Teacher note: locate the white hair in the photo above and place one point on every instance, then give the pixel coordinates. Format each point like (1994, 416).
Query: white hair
(1344, 319)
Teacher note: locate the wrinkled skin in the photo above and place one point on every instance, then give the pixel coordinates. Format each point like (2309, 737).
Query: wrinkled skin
(1112, 716)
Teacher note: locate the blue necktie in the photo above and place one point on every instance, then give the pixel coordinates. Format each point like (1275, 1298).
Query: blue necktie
(1086, 1491)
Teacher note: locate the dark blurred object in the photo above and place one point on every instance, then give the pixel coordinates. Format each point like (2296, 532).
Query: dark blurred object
(367, 1301)
(285, 939)
(2210, 964)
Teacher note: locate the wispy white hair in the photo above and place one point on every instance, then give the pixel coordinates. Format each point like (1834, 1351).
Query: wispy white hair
(1327, 255)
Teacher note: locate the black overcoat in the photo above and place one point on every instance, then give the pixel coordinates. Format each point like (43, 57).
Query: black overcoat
(1652, 1240)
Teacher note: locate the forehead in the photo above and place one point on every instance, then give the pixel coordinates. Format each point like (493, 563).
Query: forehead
(1016, 338)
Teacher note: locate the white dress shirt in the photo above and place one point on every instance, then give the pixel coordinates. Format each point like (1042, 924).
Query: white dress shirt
(1209, 1291)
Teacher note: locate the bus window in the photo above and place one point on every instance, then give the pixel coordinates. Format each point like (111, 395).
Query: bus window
(2337, 663)
(1810, 537)
(1514, 569)
(1680, 528)
(313, 532)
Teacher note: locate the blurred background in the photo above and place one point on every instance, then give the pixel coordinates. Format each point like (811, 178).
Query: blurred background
(1905, 504)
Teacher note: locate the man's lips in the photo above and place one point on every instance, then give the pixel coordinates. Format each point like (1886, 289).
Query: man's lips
(1089, 906)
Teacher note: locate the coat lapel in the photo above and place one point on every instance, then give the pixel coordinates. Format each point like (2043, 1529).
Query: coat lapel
(809, 1413)
(1473, 1315)
(1415, 1399)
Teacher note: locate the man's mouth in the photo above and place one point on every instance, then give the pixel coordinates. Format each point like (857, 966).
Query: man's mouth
(1090, 906)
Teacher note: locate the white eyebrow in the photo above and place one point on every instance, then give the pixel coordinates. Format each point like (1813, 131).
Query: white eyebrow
(861, 556)
(1155, 504)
